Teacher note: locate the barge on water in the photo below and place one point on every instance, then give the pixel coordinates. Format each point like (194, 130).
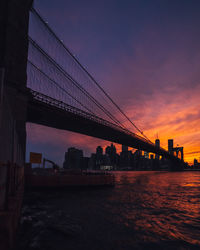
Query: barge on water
(52, 178)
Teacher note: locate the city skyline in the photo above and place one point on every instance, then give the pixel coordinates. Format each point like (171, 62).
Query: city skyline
(137, 53)
(109, 158)
(176, 150)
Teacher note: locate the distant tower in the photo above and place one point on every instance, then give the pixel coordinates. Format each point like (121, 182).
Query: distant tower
(98, 157)
(195, 162)
(170, 145)
(112, 149)
(99, 150)
(157, 143)
(108, 150)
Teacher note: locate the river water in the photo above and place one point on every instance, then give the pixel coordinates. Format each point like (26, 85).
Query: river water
(145, 210)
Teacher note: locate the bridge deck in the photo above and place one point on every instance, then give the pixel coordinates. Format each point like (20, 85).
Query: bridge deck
(50, 112)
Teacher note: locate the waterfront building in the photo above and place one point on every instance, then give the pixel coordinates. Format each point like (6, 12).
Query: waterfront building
(108, 150)
(126, 158)
(151, 156)
(106, 167)
(73, 158)
(92, 162)
(195, 162)
(99, 159)
(99, 150)
(146, 155)
(85, 162)
(111, 153)
(107, 160)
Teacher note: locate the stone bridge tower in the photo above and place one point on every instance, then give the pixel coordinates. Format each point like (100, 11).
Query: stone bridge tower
(14, 20)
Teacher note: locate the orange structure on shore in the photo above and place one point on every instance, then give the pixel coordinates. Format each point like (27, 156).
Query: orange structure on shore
(50, 178)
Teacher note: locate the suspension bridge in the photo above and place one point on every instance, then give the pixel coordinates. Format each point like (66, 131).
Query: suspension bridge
(57, 90)
(64, 95)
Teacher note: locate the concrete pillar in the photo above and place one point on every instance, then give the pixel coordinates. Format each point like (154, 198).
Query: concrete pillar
(14, 20)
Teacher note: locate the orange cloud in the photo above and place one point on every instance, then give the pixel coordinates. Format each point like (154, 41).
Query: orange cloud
(172, 114)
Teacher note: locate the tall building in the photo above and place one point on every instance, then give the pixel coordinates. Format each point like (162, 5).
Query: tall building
(99, 159)
(126, 158)
(108, 150)
(92, 161)
(73, 158)
(99, 150)
(157, 143)
(170, 146)
(111, 153)
(195, 162)
(113, 149)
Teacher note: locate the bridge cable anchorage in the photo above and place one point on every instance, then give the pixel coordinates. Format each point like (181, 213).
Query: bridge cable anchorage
(75, 83)
(89, 75)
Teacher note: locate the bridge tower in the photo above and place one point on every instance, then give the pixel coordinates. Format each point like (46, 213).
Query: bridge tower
(14, 19)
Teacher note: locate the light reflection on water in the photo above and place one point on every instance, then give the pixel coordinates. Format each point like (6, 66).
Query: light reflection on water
(145, 210)
(159, 206)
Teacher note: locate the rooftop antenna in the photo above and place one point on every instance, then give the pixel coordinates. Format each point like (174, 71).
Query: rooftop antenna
(157, 135)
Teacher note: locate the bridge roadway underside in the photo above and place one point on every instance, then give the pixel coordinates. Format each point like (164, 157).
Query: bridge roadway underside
(48, 115)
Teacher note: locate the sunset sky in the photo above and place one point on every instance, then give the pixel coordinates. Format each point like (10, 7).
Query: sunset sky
(145, 54)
